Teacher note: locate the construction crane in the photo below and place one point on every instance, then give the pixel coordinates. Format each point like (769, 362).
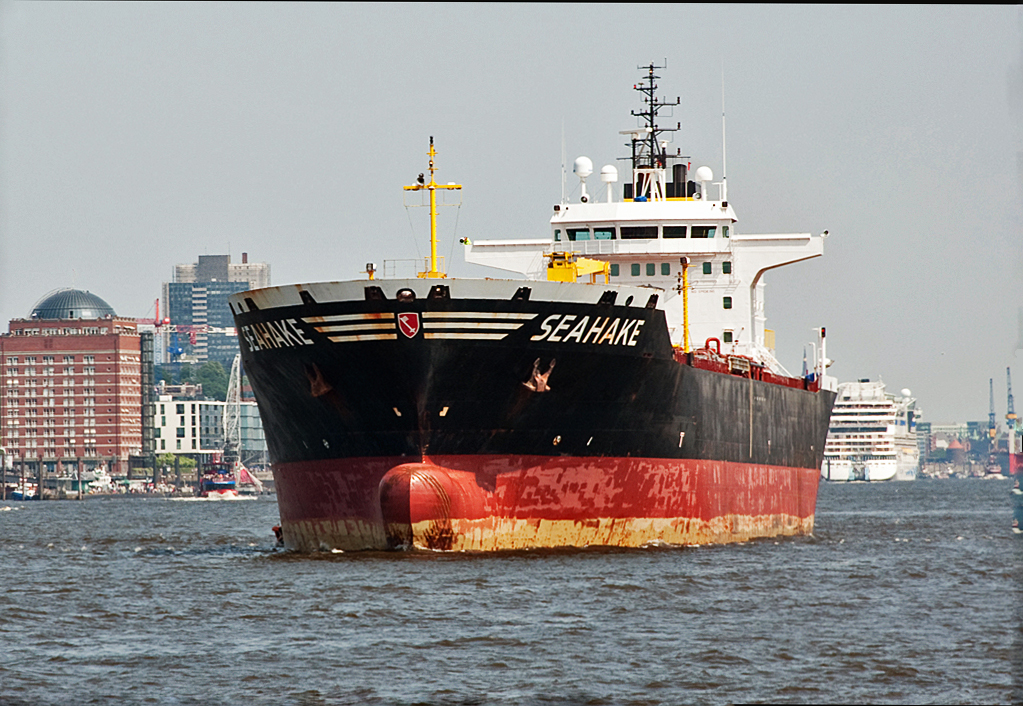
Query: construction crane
(992, 426)
(156, 321)
(1011, 415)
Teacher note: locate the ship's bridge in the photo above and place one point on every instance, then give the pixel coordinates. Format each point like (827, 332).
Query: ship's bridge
(644, 243)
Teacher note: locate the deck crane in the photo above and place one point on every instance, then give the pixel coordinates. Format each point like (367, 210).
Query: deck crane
(992, 426)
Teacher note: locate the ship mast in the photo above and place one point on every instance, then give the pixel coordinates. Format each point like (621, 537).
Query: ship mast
(649, 152)
(434, 272)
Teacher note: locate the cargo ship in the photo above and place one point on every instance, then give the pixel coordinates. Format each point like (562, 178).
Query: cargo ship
(569, 408)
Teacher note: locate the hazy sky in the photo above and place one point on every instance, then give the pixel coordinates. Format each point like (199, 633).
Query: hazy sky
(137, 136)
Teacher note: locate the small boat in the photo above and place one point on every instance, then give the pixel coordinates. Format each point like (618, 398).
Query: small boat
(24, 491)
(218, 481)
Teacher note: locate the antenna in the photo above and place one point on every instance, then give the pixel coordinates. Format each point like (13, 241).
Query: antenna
(724, 172)
(562, 160)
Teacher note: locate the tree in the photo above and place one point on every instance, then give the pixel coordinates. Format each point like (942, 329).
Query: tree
(185, 373)
(214, 380)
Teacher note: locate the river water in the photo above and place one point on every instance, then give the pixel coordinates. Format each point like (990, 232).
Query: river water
(907, 593)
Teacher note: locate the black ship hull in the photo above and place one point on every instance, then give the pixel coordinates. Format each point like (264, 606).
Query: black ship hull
(484, 416)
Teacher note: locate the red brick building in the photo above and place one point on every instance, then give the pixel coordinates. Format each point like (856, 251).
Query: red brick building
(70, 386)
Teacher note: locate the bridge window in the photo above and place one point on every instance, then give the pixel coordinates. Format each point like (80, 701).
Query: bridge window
(614, 269)
(704, 231)
(635, 269)
(708, 268)
(650, 269)
(727, 302)
(578, 233)
(557, 235)
(639, 232)
(674, 231)
(724, 231)
(726, 267)
(727, 337)
(603, 234)
(666, 269)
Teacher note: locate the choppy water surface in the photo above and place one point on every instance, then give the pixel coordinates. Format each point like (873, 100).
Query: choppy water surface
(908, 592)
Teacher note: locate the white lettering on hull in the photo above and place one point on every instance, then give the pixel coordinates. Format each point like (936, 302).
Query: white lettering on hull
(268, 335)
(613, 331)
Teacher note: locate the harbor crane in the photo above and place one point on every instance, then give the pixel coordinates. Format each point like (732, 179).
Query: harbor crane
(992, 426)
(1011, 411)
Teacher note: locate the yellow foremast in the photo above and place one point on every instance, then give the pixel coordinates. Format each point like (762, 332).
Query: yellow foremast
(434, 272)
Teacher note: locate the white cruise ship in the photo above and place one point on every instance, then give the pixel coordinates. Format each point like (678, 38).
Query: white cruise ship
(872, 435)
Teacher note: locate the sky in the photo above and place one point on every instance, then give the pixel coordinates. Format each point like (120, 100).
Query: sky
(137, 136)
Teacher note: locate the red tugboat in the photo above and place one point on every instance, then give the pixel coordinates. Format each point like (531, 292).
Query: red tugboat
(218, 481)
(458, 414)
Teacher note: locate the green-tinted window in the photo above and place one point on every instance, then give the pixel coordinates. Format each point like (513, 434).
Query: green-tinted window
(603, 234)
(665, 269)
(726, 267)
(578, 233)
(674, 231)
(651, 269)
(724, 231)
(728, 302)
(639, 232)
(727, 338)
(704, 231)
(614, 269)
(635, 269)
(707, 268)
(557, 235)
(181, 409)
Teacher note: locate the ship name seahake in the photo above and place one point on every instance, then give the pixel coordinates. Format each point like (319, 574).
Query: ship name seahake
(566, 328)
(274, 334)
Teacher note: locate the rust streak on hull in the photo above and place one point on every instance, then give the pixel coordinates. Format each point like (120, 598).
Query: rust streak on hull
(488, 503)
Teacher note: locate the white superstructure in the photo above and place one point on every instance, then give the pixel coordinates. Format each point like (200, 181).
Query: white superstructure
(872, 435)
(644, 231)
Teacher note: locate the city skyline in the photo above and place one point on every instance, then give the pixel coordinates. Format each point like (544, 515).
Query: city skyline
(136, 137)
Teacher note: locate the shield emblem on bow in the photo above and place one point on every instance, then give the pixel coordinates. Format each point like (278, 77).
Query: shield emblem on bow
(408, 324)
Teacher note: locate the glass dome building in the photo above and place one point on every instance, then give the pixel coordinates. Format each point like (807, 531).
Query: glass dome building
(71, 304)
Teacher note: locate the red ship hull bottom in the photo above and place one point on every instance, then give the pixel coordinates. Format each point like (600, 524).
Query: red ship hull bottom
(488, 503)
